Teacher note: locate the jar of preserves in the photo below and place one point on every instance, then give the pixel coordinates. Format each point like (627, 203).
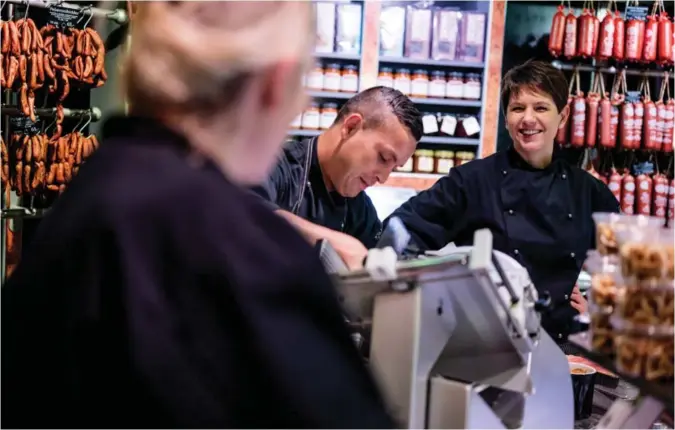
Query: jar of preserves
(402, 81)
(332, 78)
(328, 114)
(471, 88)
(454, 88)
(297, 122)
(386, 77)
(407, 166)
(429, 123)
(445, 160)
(350, 79)
(424, 161)
(314, 79)
(437, 84)
(310, 118)
(419, 86)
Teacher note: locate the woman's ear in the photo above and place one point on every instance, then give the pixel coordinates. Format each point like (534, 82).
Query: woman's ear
(564, 116)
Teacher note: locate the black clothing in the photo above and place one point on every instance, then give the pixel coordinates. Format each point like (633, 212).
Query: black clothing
(294, 188)
(542, 218)
(159, 294)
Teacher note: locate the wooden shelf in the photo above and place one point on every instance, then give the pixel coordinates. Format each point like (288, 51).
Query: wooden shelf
(334, 95)
(337, 56)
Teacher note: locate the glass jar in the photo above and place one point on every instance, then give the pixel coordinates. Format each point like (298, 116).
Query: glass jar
(419, 86)
(386, 77)
(402, 81)
(471, 88)
(297, 122)
(328, 114)
(332, 78)
(314, 79)
(350, 79)
(445, 160)
(424, 161)
(407, 166)
(459, 158)
(310, 118)
(437, 84)
(454, 88)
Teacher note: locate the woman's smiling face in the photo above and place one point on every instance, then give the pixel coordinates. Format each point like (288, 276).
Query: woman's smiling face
(533, 120)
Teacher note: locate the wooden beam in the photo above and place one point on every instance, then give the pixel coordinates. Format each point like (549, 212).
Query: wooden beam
(493, 76)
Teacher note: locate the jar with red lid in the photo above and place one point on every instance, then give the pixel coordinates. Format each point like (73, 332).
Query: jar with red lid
(350, 79)
(419, 85)
(314, 79)
(328, 115)
(386, 77)
(471, 88)
(402, 81)
(454, 88)
(332, 77)
(437, 84)
(311, 117)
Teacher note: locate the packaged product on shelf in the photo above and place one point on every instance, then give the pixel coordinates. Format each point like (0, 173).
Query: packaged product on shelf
(424, 161)
(332, 77)
(348, 35)
(325, 27)
(311, 117)
(445, 160)
(429, 123)
(297, 122)
(437, 84)
(402, 81)
(463, 157)
(385, 77)
(418, 32)
(350, 79)
(419, 85)
(602, 299)
(471, 87)
(314, 79)
(445, 34)
(328, 114)
(392, 27)
(448, 124)
(407, 167)
(472, 37)
(454, 87)
(468, 126)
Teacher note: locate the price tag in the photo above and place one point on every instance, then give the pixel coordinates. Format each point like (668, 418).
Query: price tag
(64, 17)
(646, 168)
(637, 13)
(24, 125)
(633, 96)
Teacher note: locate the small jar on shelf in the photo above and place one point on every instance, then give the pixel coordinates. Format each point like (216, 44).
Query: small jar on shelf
(471, 87)
(328, 114)
(407, 167)
(386, 77)
(314, 79)
(311, 117)
(424, 161)
(297, 122)
(444, 161)
(402, 81)
(419, 86)
(437, 85)
(350, 79)
(332, 77)
(454, 88)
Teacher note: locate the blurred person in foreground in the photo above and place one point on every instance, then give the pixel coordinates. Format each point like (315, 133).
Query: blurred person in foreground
(158, 292)
(318, 184)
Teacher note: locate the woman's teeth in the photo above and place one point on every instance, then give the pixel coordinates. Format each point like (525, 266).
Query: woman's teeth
(530, 132)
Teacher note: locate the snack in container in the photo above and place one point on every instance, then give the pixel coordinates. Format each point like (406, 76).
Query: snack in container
(646, 254)
(601, 299)
(651, 304)
(644, 351)
(601, 333)
(607, 224)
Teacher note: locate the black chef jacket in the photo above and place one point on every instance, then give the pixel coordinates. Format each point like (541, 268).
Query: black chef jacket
(296, 185)
(158, 294)
(542, 218)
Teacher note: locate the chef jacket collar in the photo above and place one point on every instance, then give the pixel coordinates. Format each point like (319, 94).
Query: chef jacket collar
(515, 161)
(316, 177)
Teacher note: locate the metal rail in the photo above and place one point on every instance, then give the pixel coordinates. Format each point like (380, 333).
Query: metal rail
(94, 113)
(118, 15)
(609, 70)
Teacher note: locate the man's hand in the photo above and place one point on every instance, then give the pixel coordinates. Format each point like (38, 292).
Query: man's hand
(350, 249)
(578, 301)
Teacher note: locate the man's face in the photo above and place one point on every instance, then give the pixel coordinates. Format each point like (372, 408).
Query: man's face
(368, 156)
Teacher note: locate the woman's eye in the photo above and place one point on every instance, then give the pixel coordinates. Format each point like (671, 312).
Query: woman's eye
(541, 109)
(516, 109)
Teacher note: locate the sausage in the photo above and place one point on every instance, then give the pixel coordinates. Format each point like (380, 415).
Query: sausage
(596, 31)
(628, 194)
(644, 190)
(585, 35)
(669, 127)
(671, 198)
(578, 120)
(649, 122)
(638, 115)
(660, 123)
(6, 38)
(557, 34)
(12, 72)
(18, 176)
(33, 73)
(614, 184)
(660, 197)
(47, 67)
(626, 125)
(23, 68)
(40, 64)
(666, 47)
(570, 45)
(634, 40)
(23, 97)
(79, 67)
(14, 36)
(563, 132)
(606, 38)
(592, 102)
(66, 86)
(26, 34)
(88, 67)
(651, 32)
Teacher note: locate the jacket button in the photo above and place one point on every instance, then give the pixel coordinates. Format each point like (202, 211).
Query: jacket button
(564, 176)
(510, 211)
(559, 335)
(567, 297)
(569, 216)
(572, 254)
(504, 172)
(516, 252)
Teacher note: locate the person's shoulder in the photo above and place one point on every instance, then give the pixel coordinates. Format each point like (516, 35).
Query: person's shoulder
(476, 167)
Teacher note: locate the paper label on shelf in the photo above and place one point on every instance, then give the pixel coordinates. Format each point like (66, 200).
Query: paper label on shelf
(332, 81)
(449, 125)
(421, 19)
(430, 124)
(471, 126)
(349, 83)
(315, 81)
(65, 17)
(24, 124)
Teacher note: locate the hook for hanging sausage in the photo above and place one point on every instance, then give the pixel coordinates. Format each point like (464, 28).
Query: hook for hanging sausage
(25, 15)
(2, 5)
(88, 10)
(89, 116)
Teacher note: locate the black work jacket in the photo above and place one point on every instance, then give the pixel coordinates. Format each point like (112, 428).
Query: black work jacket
(541, 217)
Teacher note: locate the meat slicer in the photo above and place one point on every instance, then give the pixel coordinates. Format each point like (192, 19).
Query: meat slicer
(455, 341)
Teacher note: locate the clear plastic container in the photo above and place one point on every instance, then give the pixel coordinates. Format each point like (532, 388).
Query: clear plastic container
(607, 224)
(603, 270)
(642, 304)
(601, 333)
(646, 255)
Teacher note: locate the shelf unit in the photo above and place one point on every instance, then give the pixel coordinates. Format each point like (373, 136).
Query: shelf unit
(428, 140)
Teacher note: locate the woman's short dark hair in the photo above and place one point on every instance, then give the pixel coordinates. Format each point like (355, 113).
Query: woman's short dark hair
(537, 76)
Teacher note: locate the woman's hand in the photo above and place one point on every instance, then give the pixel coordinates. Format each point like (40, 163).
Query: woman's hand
(578, 301)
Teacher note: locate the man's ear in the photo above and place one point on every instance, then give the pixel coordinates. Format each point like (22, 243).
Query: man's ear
(564, 116)
(351, 124)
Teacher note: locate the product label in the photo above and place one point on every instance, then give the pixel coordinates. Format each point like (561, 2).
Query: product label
(430, 124)
(425, 164)
(310, 119)
(449, 125)
(471, 91)
(327, 119)
(315, 80)
(454, 90)
(444, 165)
(332, 81)
(419, 87)
(385, 82)
(437, 89)
(350, 83)
(403, 85)
(64, 17)
(636, 12)
(24, 125)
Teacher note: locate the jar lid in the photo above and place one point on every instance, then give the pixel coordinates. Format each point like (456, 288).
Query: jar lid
(314, 105)
(424, 153)
(421, 72)
(330, 106)
(428, 114)
(386, 70)
(333, 66)
(403, 71)
(450, 153)
(438, 74)
(351, 67)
